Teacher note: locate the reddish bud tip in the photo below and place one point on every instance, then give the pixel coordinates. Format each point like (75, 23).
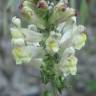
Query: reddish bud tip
(42, 4)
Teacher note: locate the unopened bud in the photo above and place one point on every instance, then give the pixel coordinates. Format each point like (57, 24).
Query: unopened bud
(61, 6)
(16, 21)
(26, 3)
(42, 4)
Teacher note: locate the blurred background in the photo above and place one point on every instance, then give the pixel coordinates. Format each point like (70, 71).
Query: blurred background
(23, 80)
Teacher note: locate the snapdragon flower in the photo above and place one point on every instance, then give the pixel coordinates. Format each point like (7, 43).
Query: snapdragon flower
(67, 65)
(50, 41)
(24, 42)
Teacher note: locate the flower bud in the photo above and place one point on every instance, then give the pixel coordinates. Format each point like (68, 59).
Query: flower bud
(16, 22)
(42, 4)
(26, 3)
(61, 6)
(60, 16)
(27, 12)
(69, 12)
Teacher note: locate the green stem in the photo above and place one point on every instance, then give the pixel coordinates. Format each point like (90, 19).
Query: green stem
(54, 90)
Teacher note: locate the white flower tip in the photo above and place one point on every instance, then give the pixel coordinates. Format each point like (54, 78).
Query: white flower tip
(74, 19)
(81, 28)
(18, 42)
(70, 50)
(16, 21)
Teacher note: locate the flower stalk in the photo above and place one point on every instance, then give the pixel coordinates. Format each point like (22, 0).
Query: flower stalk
(49, 42)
